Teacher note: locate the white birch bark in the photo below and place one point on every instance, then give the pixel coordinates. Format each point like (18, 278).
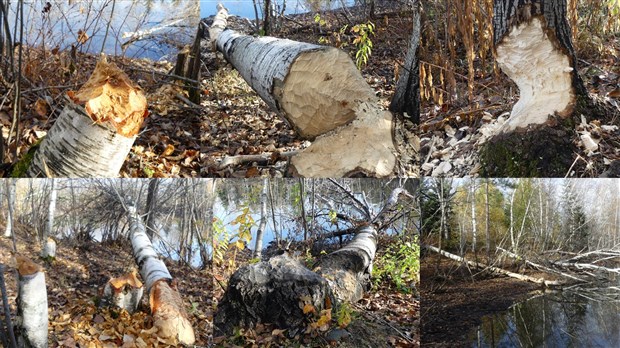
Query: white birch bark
(322, 95)
(10, 197)
(77, 147)
(169, 314)
(258, 247)
(49, 245)
(345, 268)
(33, 310)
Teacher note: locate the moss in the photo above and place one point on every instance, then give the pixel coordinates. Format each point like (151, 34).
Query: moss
(21, 167)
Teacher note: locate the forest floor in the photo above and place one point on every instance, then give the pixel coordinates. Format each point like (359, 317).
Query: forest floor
(452, 131)
(181, 139)
(455, 299)
(75, 281)
(385, 317)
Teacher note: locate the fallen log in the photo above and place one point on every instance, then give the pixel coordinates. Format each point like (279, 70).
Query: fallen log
(169, 313)
(321, 94)
(281, 290)
(124, 292)
(538, 266)
(581, 266)
(477, 265)
(93, 141)
(32, 308)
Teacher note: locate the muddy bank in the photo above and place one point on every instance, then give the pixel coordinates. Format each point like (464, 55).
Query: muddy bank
(454, 300)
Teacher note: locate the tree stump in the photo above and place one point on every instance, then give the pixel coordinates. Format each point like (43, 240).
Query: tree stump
(534, 48)
(93, 141)
(32, 308)
(271, 292)
(124, 292)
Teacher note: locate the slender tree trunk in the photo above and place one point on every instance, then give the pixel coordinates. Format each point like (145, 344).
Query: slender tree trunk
(10, 198)
(474, 232)
(258, 247)
(534, 48)
(302, 205)
(267, 18)
(151, 203)
(487, 220)
(49, 245)
(407, 95)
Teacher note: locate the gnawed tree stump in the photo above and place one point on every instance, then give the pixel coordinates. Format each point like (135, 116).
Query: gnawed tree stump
(277, 290)
(49, 249)
(271, 292)
(32, 312)
(321, 94)
(534, 48)
(93, 141)
(169, 314)
(124, 292)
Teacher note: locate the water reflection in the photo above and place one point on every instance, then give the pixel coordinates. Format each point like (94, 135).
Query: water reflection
(60, 24)
(566, 319)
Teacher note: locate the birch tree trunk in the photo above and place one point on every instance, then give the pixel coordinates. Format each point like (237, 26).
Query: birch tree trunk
(473, 216)
(10, 198)
(167, 308)
(322, 95)
(49, 245)
(93, 141)
(407, 94)
(31, 304)
(534, 48)
(258, 247)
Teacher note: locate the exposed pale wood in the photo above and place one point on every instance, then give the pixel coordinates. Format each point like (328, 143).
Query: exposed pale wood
(93, 141)
(581, 266)
(124, 291)
(478, 265)
(31, 304)
(322, 95)
(262, 158)
(169, 314)
(348, 268)
(363, 146)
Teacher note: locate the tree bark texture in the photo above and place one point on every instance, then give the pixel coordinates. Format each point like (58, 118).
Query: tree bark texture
(93, 141)
(10, 198)
(322, 95)
(49, 245)
(31, 304)
(407, 94)
(167, 308)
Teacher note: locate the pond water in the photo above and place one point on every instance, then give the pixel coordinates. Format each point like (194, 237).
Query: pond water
(245, 8)
(59, 26)
(564, 319)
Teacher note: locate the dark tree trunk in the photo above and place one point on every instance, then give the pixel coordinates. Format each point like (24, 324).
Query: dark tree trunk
(534, 48)
(267, 16)
(407, 96)
(151, 203)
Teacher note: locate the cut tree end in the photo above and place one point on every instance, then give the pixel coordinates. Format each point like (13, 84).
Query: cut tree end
(25, 266)
(130, 279)
(321, 91)
(111, 97)
(169, 314)
(364, 146)
(542, 72)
